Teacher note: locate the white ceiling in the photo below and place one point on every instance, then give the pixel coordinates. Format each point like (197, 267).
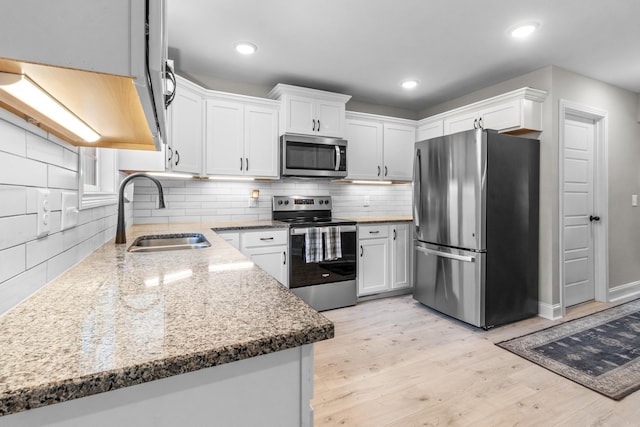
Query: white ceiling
(365, 48)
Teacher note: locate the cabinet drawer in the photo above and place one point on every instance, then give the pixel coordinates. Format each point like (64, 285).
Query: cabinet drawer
(231, 237)
(252, 239)
(373, 231)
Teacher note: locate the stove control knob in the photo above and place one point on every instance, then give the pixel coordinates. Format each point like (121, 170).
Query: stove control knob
(326, 202)
(321, 201)
(286, 202)
(279, 202)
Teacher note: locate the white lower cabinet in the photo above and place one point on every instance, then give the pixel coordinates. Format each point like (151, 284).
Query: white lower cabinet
(384, 263)
(267, 248)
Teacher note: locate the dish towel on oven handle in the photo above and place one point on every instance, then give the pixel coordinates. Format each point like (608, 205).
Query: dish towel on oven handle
(332, 243)
(313, 245)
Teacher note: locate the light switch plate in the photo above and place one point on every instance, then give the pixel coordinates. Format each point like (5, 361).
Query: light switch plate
(43, 213)
(70, 211)
(365, 201)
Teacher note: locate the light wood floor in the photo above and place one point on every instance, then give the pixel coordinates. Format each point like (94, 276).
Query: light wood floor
(395, 362)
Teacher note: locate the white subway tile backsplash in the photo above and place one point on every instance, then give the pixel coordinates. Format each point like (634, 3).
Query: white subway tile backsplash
(62, 178)
(40, 250)
(20, 287)
(16, 230)
(12, 139)
(13, 200)
(12, 262)
(18, 170)
(41, 149)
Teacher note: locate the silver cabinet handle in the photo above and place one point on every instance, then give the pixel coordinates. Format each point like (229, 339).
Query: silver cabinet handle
(361, 251)
(314, 125)
(170, 151)
(318, 125)
(394, 234)
(386, 171)
(246, 161)
(177, 157)
(475, 123)
(480, 124)
(378, 170)
(240, 163)
(284, 258)
(374, 232)
(266, 238)
(446, 255)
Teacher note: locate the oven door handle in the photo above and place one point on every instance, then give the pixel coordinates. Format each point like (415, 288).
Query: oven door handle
(343, 229)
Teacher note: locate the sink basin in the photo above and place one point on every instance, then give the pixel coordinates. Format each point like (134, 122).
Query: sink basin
(169, 242)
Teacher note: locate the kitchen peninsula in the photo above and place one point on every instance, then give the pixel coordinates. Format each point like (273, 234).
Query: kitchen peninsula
(191, 337)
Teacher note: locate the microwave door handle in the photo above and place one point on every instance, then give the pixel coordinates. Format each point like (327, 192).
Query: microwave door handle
(338, 157)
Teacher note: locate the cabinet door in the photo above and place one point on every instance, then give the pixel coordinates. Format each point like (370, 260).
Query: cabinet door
(225, 138)
(364, 149)
(299, 114)
(501, 116)
(401, 250)
(186, 132)
(329, 117)
(142, 160)
(430, 130)
(272, 259)
(261, 140)
(373, 266)
(459, 122)
(398, 151)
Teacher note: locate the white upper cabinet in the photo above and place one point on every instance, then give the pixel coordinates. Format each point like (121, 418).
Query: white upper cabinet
(516, 112)
(241, 136)
(184, 149)
(309, 111)
(398, 151)
(379, 148)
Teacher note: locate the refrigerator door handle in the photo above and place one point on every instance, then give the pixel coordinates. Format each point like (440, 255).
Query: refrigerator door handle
(446, 255)
(417, 190)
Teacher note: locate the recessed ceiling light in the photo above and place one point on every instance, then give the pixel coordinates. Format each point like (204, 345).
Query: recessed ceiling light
(409, 84)
(246, 48)
(521, 31)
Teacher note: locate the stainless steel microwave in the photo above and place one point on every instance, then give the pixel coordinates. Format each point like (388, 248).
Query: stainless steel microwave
(313, 156)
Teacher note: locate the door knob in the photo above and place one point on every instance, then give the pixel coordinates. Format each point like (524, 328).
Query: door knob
(594, 218)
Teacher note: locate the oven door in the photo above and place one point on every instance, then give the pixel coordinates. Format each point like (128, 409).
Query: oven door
(302, 273)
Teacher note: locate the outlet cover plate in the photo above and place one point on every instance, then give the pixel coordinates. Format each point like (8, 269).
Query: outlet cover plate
(43, 212)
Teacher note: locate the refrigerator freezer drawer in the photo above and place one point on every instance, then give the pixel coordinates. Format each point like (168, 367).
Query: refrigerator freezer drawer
(451, 281)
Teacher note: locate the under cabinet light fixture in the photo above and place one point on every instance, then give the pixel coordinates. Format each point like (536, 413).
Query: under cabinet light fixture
(370, 182)
(21, 88)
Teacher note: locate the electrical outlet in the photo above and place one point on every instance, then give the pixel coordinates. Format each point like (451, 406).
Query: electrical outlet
(43, 213)
(365, 201)
(634, 200)
(70, 210)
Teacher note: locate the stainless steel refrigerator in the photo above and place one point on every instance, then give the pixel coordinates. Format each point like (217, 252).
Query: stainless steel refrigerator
(475, 210)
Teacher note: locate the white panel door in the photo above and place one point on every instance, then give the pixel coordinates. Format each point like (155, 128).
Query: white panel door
(225, 138)
(460, 122)
(430, 130)
(364, 149)
(186, 132)
(398, 152)
(299, 114)
(578, 205)
(261, 141)
(373, 266)
(329, 118)
(401, 250)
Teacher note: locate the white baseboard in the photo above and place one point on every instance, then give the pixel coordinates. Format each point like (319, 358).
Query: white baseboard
(549, 311)
(623, 293)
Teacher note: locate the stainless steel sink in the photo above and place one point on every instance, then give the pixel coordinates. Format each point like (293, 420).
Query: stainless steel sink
(169, 242)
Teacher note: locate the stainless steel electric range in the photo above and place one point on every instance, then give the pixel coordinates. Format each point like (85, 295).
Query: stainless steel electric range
(322, 255)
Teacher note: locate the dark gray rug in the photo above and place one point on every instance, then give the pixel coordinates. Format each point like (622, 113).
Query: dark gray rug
(600, 351)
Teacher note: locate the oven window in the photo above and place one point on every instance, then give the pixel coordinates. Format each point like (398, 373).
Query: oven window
(302, 273)
(310, 156)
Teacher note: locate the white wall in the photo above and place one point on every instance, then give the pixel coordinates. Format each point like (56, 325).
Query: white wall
(205, 200)
(31, 161)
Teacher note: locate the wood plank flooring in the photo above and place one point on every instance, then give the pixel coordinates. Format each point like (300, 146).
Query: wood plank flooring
(395, 362)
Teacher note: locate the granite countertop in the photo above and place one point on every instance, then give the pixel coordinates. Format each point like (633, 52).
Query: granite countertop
(119, 318)
(246, 225)
(377, 219)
